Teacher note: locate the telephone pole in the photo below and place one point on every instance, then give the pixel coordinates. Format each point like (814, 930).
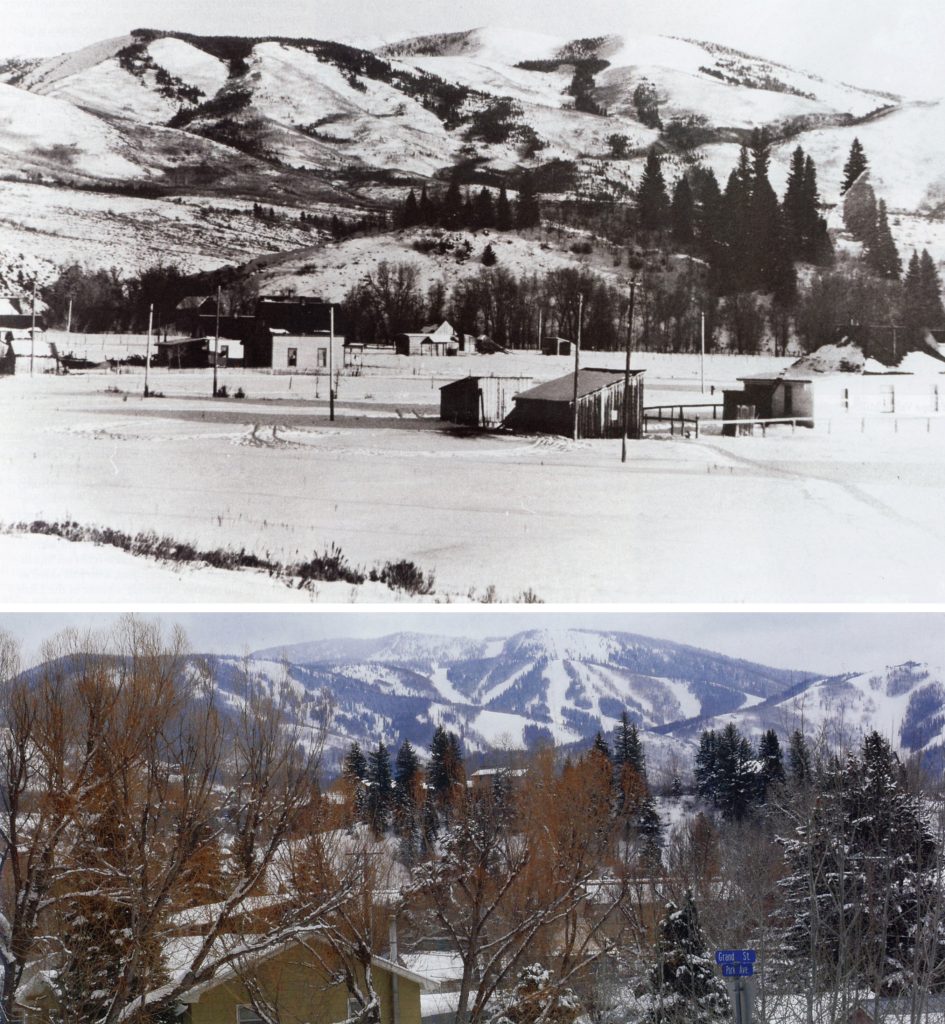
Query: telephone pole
(147, 351)
(626, 375)
(331, 347)
(577, 364)
(216, 345)
(33, 330)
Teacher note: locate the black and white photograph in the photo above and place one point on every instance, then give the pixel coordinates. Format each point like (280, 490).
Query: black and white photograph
(416, 302)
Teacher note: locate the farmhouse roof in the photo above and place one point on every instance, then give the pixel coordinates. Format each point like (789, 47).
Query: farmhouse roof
(561, 389)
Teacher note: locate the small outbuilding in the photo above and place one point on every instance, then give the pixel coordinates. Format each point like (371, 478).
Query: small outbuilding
(483, 402)
(549, 408)
(839, 380)
(554, 346)
(432, 340)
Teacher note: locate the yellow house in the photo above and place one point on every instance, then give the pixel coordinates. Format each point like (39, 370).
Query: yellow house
(290, 981)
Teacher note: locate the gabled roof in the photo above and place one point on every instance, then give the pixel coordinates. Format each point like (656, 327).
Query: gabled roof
(179, 952)
(590, 380)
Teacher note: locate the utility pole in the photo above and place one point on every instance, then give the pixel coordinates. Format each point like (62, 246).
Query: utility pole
(33, 330)
(626, 375)
(69, 317)
(331, 346)
(577, 364)
(147, 351)
(702, 354)
(539, 327)
(216, 345)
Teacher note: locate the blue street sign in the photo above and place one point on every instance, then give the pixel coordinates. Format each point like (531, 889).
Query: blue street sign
(738, 970)
(735, 956)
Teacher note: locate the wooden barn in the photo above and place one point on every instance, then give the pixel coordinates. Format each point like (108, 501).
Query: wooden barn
(482, 402)
(549, 408)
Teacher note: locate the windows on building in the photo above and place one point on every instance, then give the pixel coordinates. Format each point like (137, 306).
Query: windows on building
(292, 357)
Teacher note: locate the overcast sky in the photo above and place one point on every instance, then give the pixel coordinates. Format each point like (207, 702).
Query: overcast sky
(878, 43)
(821, 642)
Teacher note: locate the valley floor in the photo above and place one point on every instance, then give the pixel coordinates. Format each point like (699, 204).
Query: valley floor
(791, 517)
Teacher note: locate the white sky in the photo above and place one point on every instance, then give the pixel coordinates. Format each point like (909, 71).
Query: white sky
(821, 642)
(877, 43)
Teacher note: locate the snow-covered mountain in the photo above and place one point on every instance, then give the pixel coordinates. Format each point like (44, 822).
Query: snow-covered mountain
(148, 121)
(561, 685)
(905, 703)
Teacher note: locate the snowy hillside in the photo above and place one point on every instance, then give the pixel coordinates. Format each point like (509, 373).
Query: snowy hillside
(905, 703)
(563, 685)
(150, 117)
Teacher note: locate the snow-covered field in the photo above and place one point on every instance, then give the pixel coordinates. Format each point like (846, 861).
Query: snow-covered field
(806, 516)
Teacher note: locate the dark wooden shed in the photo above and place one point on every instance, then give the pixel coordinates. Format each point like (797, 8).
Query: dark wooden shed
(483, 402)
(549, 408)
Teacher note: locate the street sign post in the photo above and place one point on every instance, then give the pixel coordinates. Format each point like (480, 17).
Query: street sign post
(739, 964)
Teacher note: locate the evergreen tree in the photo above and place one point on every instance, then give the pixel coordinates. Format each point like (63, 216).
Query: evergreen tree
(380, 794)
(931, 285)
(411, 215)
(469, 212)
(709, 215)
(796, 199)
(484, 216)
(652, 199)
(684, 985)
(770, 266)
(600, 747)
(650, 830)
(771, 772)
(737, 273)
(628, 750)
(426, 208)
(862, 890)
(489, 258)
(682, 212)
(355, 770)
(882, 256)
(856, 164)
(799, 760)
(445, 771)
(503, 211)
(527, 209)
(736, 779)
(451, 210)
(406, 802)
(860, 212)
(922, 295)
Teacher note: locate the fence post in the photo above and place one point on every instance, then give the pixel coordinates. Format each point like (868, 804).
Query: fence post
(697, 428)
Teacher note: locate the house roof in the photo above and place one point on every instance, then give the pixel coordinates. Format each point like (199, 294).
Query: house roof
(484, 376)
(561, 389)
(845, 357)
(192, 302)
